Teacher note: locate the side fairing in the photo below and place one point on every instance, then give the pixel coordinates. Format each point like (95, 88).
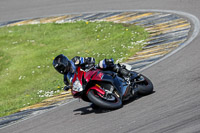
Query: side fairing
(92, 75)
(111, 78)
(79, 74)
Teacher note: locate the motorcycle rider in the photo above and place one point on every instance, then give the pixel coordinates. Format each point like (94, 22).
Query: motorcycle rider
(68, 67)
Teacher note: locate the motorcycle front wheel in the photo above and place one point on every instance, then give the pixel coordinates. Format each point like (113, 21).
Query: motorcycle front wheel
(112, 102)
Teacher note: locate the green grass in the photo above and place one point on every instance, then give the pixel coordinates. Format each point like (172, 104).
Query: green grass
(26, 54)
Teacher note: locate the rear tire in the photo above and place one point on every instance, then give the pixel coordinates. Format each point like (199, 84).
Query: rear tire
(145, 87)
(97, 100)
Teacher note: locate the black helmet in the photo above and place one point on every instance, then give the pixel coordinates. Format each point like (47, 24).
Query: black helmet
(62, 64)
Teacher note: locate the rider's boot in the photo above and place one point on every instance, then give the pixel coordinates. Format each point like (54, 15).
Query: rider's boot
(122, 71)
(127, 75)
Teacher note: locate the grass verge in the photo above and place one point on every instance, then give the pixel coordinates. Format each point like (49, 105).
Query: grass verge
(26, 54)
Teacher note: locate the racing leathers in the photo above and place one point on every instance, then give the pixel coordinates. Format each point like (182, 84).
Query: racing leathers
(88, 62)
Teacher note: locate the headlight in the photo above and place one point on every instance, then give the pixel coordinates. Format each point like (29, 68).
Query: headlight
(77, 86)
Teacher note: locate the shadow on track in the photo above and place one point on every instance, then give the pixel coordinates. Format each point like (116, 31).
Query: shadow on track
(137, 97)
(90, 109)
(97, 110)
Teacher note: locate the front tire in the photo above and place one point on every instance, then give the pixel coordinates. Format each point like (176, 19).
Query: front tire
(97, 100)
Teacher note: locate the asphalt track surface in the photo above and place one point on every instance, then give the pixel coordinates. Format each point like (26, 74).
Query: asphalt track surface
(173, 108)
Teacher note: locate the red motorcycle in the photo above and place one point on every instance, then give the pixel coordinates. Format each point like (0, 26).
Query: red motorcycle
(106, 89)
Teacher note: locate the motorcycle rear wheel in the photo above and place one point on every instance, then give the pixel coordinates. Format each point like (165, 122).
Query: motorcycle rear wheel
(99, 101)
(145, 87)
